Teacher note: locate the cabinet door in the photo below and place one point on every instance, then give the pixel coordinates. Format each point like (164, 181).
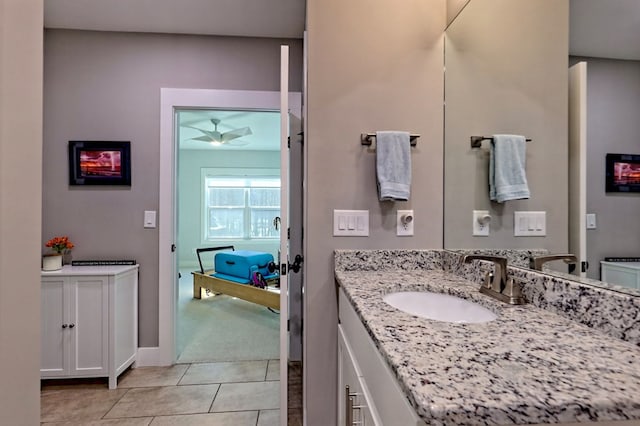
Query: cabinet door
(54, 331)
(89, 321)
(354, 402)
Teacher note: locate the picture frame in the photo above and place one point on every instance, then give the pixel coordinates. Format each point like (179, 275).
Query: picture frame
(622, 173)
(100, 163)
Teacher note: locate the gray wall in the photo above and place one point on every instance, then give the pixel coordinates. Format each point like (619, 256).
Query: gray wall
(507, 72)
(369, 68)
(106, 86)
(20, 210)
(190, 163)
(613, 126)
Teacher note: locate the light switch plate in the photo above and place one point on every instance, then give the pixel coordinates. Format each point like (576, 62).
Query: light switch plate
(149, 218)
(591, 221)
(351, 223)
(530, 224)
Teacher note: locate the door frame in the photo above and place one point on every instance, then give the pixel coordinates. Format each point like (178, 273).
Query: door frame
(170, 100)
(578, 165)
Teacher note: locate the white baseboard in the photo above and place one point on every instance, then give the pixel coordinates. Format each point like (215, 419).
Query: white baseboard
(149, 357)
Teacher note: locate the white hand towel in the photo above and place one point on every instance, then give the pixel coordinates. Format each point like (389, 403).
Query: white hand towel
(393, 165)
(507, 174)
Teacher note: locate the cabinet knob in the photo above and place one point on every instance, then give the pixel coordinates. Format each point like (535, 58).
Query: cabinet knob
(71, 325)
(64, 325)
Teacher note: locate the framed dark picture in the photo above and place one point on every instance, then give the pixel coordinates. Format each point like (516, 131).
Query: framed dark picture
(99, 163)
(622, 173)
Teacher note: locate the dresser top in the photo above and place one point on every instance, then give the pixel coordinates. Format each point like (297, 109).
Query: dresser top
(68, 270)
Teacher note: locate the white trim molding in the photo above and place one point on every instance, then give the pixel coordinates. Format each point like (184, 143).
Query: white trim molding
(170, 100)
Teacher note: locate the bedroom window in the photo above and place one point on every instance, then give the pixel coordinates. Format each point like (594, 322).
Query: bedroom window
(241, 207)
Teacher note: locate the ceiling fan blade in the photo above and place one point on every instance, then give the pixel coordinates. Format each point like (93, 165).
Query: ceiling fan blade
(237, 133)
(202, 138)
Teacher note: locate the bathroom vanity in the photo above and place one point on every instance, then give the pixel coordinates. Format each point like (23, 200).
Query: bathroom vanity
(626, 274)
(528, 366)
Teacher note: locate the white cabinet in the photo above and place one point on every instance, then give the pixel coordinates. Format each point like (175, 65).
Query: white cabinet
(626, 274)
(354, 398)
(89, 321)
(378, 398)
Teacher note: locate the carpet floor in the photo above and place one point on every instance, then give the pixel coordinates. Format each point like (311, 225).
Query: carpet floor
(223, 328)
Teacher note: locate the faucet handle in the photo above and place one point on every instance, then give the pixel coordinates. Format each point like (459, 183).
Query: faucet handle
(513, 291)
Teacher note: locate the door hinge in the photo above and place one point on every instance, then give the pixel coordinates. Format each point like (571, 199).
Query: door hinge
(584, 266)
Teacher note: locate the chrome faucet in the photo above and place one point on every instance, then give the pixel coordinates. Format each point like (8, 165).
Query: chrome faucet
(537, 261)
(496, 283)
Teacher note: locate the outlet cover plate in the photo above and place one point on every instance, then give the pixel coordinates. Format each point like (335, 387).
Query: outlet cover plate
(404, 229)
(480, 230)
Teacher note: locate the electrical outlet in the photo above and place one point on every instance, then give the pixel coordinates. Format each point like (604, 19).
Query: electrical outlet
(481, 221)
(405, 223)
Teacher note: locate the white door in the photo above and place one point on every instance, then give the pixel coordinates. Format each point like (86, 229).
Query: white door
(578, 165)
(284, 240)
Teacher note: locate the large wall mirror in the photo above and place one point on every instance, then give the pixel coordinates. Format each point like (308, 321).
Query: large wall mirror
(507, 71)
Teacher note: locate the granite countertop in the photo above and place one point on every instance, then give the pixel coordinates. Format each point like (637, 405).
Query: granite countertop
(528, 366)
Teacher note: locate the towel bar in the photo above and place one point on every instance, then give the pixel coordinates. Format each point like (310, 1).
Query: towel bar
(476, 141)
(367, 139)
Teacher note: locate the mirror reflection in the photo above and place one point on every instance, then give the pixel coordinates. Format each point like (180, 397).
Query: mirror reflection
(509, 75)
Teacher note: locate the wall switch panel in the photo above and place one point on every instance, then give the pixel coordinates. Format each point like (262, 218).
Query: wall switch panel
(530, 224)
(351, 223)
(149, 218)
(481, 221)
(591, 221)
(404, 226)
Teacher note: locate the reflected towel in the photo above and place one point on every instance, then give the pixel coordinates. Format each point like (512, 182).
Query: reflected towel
(507, 175)
(393, 165)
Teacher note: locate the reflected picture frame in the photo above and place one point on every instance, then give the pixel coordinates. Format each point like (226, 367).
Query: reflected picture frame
(100, 163)
(622, 173)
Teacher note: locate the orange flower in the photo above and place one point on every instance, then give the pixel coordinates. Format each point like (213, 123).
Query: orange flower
(60, 244)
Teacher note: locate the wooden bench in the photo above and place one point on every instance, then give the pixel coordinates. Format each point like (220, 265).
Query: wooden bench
(269, 297)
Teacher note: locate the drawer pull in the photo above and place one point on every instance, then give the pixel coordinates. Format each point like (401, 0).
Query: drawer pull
(348, 406)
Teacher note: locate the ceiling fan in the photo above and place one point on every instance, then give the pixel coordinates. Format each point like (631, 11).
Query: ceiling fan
(216, 138)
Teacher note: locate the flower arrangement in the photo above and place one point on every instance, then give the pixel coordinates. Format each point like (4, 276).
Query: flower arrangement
(60, 244)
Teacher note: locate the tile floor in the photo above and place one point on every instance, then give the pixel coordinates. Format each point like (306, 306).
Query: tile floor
(209, 394)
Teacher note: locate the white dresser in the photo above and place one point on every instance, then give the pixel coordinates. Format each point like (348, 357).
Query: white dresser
(89, 321)
(626, 274)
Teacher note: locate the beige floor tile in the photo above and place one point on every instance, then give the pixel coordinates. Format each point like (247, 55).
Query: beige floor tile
(162, 401)
(77, 404)
(138, 421)
(224, 372)
(273, 370)
(269, 418)
(152, 376)
(239, 418)
(247, 396)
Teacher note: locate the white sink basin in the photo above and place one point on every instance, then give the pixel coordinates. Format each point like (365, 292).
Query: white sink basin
(439, 307)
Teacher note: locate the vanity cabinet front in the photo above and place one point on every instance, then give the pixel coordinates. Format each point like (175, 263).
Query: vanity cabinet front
(626, 274)
(374, 396)
(89, 322)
